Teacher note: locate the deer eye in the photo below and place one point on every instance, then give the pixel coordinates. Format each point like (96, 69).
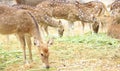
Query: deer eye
(41, 54)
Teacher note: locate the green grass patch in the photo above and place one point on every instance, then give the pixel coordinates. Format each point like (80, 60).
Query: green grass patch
(92, 40)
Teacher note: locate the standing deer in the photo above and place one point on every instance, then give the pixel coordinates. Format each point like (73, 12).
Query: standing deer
(61, 10)
(43, 19)
(24, 25)
(94, 8)
(70, 12)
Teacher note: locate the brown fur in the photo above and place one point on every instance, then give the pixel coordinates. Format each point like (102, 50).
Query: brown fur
(60, 10)
(115, 5)
(114, 28)
(91, 10)
(23, 24)
(43, 19)
(99, 8)
(74, 12)
(115, 8)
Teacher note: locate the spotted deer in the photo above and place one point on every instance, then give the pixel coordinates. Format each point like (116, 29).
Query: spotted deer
(24, 25)
(95, 8)
(70, 12)
(61, 10)
(43, 19)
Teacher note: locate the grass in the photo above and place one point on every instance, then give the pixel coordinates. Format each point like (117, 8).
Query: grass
(92, 40)
(88, 52)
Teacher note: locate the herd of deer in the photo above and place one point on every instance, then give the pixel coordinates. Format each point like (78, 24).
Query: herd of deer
(27, 19)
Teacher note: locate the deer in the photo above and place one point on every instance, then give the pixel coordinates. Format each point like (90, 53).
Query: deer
(44, 20)
(70, 12)
(95, 8)
(24, 25)
(61, 10)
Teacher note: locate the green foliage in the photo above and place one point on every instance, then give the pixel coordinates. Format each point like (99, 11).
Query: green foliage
(93, 40)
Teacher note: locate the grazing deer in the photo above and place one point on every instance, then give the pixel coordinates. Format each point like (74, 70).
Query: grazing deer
(24, 25)
(43, 19)
(93, 8)
(53, 23)
(70, 12)
(60, 10)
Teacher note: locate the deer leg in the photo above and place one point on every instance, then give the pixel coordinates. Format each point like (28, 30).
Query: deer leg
(38, 35)
(22, 42)
(46, 30)
(95, 27)
(71, 25)
(103, 27)
(41, 33)
(7, 41)
(83, 27)
(90, 25)
(71, 28)
(28, 41)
